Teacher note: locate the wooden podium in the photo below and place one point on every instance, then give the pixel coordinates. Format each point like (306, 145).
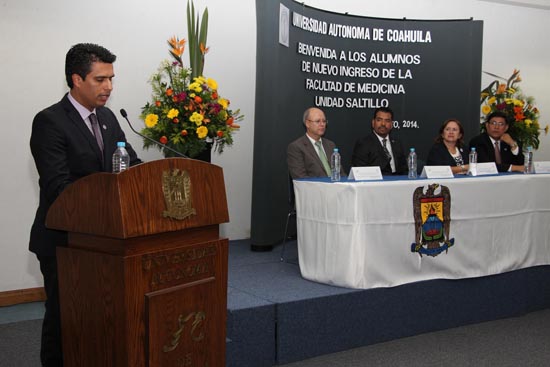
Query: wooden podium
(143, 281)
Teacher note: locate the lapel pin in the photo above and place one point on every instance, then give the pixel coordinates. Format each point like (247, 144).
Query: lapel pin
(104, 127)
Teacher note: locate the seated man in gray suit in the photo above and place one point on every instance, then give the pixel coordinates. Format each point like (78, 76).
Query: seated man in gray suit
(309, 155)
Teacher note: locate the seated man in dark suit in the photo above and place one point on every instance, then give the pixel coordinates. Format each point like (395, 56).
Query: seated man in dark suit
(378, 148)
(309, 155)
(496, 145)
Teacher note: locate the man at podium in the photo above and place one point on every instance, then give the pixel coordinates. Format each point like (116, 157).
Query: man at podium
(71, 139)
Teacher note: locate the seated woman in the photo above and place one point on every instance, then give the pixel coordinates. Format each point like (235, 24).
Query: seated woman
(448, 148)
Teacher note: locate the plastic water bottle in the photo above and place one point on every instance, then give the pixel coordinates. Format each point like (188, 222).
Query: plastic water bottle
(412, 164)
(528, 166)
(472, 162)
(121, 159)
(335, 165)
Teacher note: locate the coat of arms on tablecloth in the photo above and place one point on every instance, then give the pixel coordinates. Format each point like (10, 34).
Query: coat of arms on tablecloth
(432, 220)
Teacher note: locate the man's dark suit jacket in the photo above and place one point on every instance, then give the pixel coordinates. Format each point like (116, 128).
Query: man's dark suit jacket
(486, 152)
(64, 150)
(303, 160)
(440, 156)
(368, 151)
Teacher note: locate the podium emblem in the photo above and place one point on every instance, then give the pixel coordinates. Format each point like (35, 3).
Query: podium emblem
(432, 220)
(176, 186)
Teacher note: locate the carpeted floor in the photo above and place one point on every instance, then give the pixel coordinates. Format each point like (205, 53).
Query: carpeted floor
(519, 341)
(20, 344)
(515, 342)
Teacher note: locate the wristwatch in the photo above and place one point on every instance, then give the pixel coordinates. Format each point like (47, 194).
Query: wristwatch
(514, 146)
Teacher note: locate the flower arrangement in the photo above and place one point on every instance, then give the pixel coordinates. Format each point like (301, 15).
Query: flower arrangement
(186, 112)
(522, 113)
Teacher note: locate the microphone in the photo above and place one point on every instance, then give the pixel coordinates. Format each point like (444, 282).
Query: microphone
(125, 115)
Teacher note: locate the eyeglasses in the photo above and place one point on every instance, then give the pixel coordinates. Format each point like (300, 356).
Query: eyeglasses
(497, 123)
(318, 122)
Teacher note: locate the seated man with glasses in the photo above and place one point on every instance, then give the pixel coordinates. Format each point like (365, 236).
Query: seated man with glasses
(378, 148)
(309, 155)
(496, 145)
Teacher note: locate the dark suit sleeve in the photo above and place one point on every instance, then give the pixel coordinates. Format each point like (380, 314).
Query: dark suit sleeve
(49, 149)
(117, 134)
(433, 157)
(295, 161)
(401, 167)
(439, 156)
(361, 154)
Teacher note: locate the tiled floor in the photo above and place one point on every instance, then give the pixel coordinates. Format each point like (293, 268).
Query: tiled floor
(21, 312)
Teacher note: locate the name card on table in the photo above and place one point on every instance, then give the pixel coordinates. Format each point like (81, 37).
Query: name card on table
(542, 167)
(365, 173)
(481, 169)
(437, 172)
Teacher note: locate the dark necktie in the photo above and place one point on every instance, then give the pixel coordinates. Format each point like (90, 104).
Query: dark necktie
(498, 158)
(97, 132)
(386, 151)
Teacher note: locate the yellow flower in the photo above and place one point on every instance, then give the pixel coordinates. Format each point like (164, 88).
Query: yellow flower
(212, 83)
(223, 102)
(546, 130)
(173, 113)
(201, 132)
(196, 87)
(518, 102)
(528, 122)
(492, 100)
(196, 118)
(151, 120)
(485, 109)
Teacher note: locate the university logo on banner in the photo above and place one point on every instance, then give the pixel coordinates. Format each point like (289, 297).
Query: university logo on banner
(432, 220)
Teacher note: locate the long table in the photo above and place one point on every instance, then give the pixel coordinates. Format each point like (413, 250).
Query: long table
(363, 234)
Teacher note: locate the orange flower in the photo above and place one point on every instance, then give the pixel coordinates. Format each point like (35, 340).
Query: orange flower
(204, 49)
(220, 133)
(501, 88)
(198, 99)
(184, 133)
(230, 121)
(174, 99)
(175, 120)
(169, 92)
(214, 95)
(163, 139)
(519, 116)
(157, 103)
(205, 120)
(177, 45)
(235, 126)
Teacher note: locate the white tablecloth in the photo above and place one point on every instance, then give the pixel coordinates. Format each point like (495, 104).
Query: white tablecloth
(359, 234)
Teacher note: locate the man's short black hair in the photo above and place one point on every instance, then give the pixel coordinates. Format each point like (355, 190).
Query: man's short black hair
(80, 57)
(502, 114)
(383, 109)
